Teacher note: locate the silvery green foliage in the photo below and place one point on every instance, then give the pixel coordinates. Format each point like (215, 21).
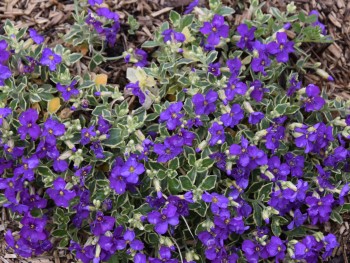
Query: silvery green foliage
(227, 156)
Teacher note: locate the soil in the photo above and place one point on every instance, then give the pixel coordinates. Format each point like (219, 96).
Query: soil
(52, 18)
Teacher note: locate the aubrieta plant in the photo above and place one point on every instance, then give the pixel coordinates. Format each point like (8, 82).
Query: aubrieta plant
(226, 156)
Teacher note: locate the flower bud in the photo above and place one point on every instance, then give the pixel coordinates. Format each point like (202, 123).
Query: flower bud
(324, 74)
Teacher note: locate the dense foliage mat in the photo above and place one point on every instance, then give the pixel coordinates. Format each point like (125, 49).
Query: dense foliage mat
(225, 157)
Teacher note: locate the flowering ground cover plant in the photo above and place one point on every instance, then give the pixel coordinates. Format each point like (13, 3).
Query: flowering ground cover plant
(228, 157)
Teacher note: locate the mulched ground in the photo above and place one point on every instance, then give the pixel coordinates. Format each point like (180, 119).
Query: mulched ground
(53, 18)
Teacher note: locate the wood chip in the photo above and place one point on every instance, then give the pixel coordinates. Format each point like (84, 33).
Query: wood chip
(162, 11)
(334, 21)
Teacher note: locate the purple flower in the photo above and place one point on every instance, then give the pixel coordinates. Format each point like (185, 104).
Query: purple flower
(136, 90)
(255, 117)
(131, 170)
(259, 63)
(28, 121)
(276, 248)
(4, 54)
(129, 238)
(59, 194)
(5, 73)
(191, 6)
(107, 13)
(59, 165)
(340, 154)
(20, 247)
(103, 125)
(215, 30)
(11, 187)
(214, 68)
(318, 23)
(167, 151)
(280, 171)
(344, 192)
(4, 112)
(217, 201)
(305, 138)
(33, 228)
(296, 164)
(205, 105)
(86, 134)
(161, 220)
(140, 258)
(248, 156)
(33, 201)
(172, 116)
(165, 255)
(171, 35)
(183, 137)
(235, 66)
(330, 242)
(307, 249)
(94, 2)
(15, 152)
(142, 57)
(234, 117)
(217, 134)
(85, 254)
(102, 224)
(247, 36)
(235, 86)
(294, 86)
(314, 101)
(50, 59)
(281, 48)
(319, 208)
(52, 129)
(97, 148)
(38, 39)
(298, 219)
(251, 250)
(323, 178)
(27, 168)
(68, 91)
(298, 193)
(258, 90)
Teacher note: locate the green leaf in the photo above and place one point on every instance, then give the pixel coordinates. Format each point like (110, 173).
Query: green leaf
(211, 57)
(345, 208)
(186, 21)
(174, 164)
(74, 57)
(186, 183)
(254, 187)
(174, 185)
(59, 233)
(257, 214)
(297, 232)
(275, 227)
(174, 17)
(150, 44)
(226, 11)
(336, 217)
(116, 137)
(281, 108)
(264, 192)
(208, 182)
(292, 109)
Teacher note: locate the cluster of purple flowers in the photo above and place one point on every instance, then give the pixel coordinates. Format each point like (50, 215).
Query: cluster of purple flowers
(109, 32)
(5, 72)
(261, 178)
